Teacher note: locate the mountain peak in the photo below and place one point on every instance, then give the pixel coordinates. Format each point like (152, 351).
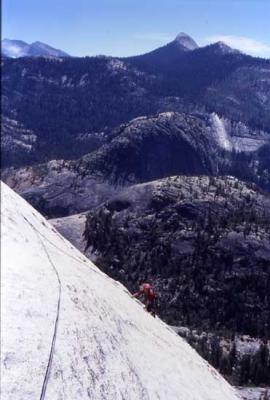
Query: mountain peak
(18, 48)
(186, 41)
(37, 42)
(223, 48)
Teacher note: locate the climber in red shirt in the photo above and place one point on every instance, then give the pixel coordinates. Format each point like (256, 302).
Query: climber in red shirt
(149, 297)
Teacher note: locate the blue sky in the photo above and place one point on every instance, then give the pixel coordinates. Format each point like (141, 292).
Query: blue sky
(128, 27)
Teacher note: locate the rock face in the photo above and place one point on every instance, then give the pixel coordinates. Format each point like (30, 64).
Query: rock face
(146, 148)
(203, 242)
(72, 228)
(171, 143)
(65, 102)
(58, 188)
(153, 147)
(78, 333)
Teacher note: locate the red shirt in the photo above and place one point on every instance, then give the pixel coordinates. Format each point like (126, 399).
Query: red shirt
(148, 291)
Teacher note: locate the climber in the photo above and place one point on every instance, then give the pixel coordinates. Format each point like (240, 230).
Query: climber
(149, 297)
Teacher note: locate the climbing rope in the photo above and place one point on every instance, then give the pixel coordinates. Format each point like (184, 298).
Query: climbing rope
(48, 368)
(52, 347)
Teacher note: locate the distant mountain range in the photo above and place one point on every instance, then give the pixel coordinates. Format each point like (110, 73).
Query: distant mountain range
(18, 48)
(65, 109)
(182, 43)
(170, 56)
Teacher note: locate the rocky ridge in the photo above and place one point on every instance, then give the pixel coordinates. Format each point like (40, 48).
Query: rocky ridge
(144, 149)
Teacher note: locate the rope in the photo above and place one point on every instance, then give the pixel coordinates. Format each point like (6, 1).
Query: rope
(40, 237)
(49, 363)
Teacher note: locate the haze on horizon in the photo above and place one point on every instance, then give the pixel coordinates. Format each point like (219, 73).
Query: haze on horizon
(121, 28)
